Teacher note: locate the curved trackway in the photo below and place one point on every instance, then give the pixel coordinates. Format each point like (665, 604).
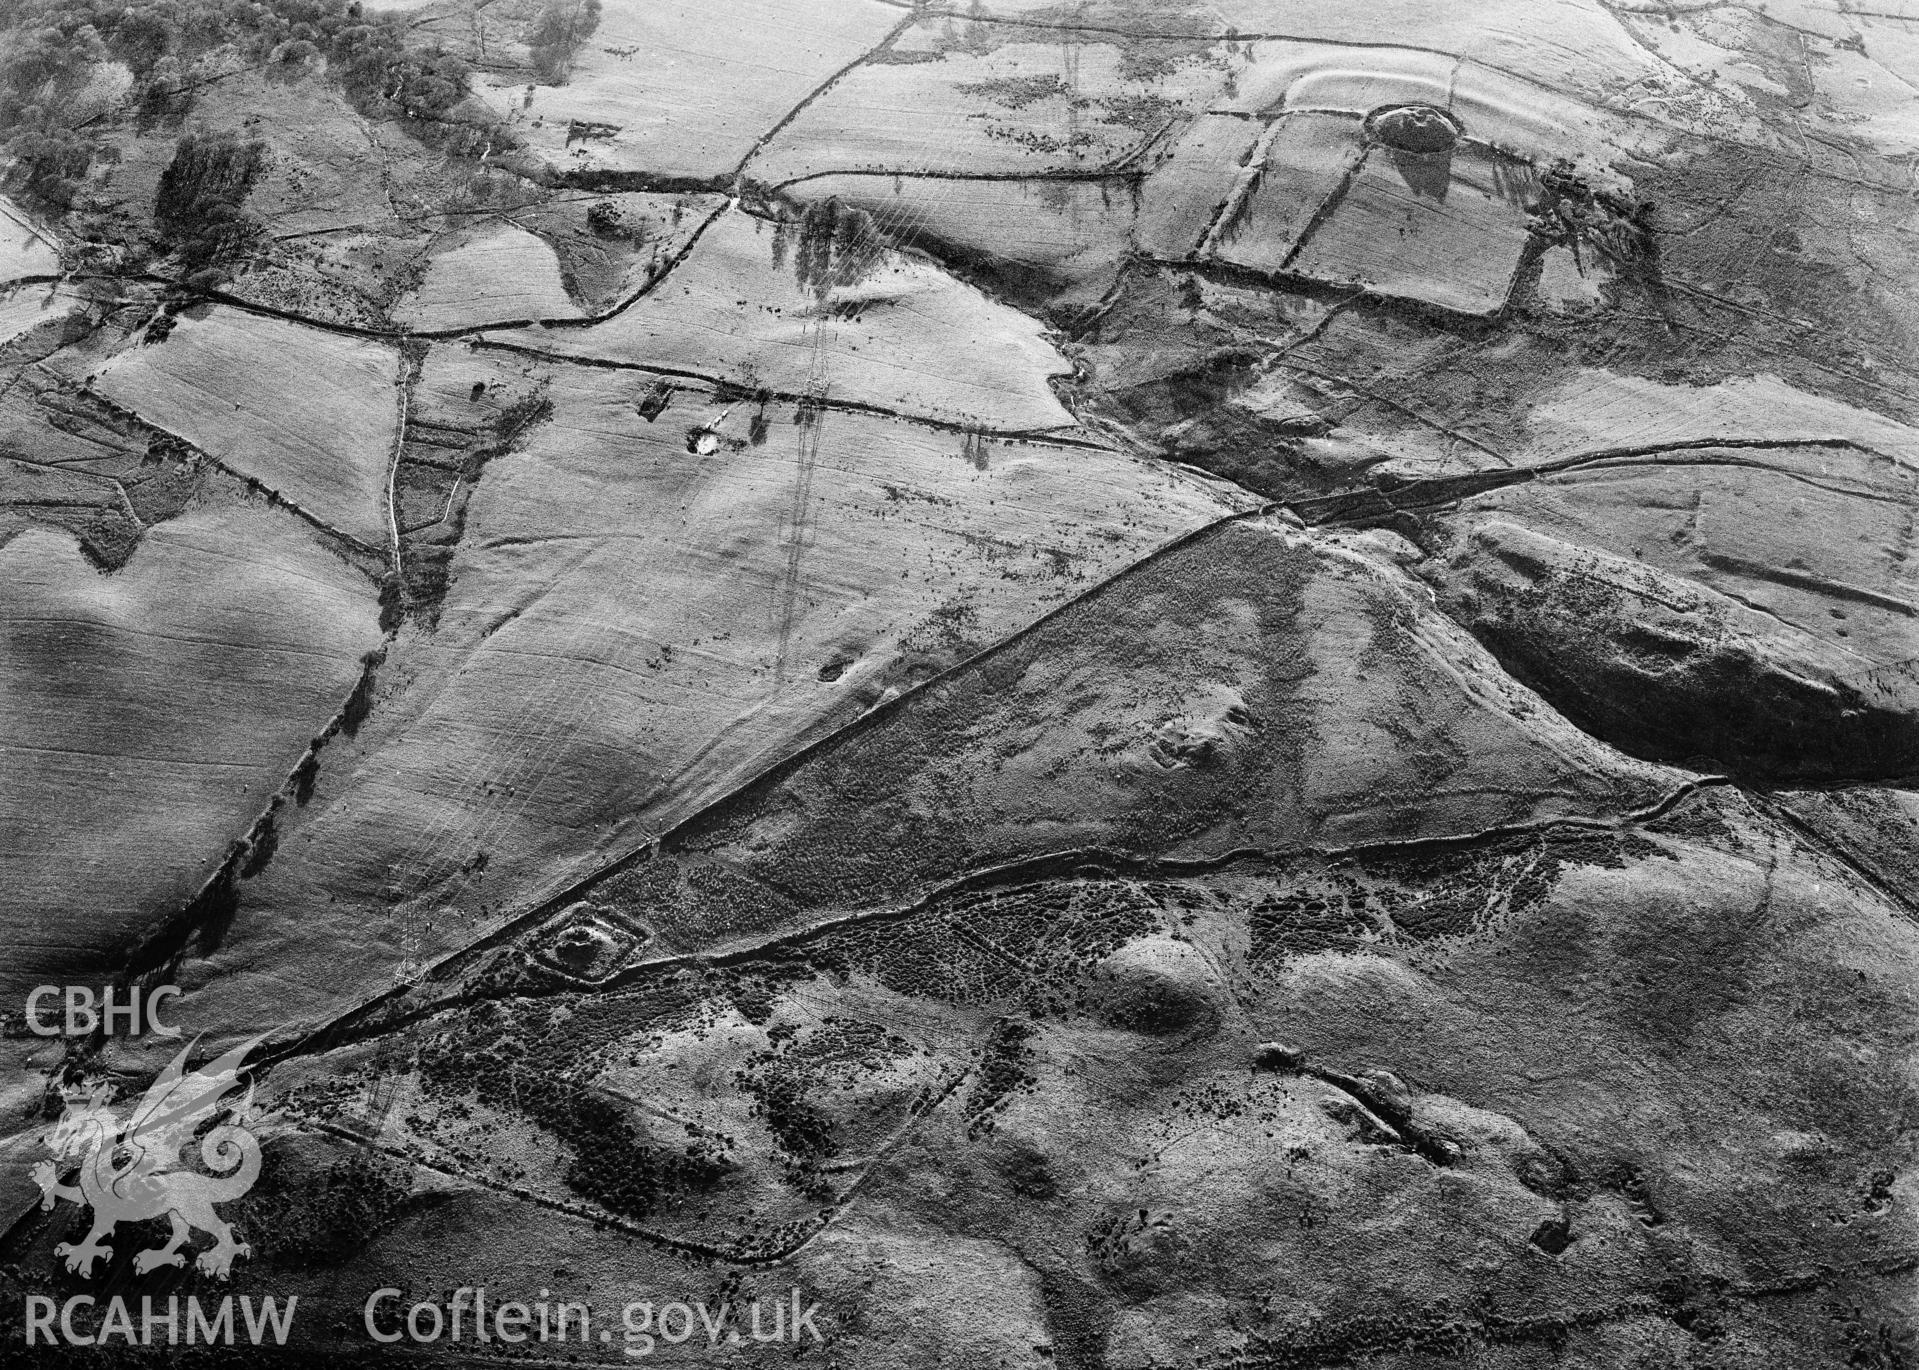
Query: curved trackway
(1330, 510)
(1055, 865)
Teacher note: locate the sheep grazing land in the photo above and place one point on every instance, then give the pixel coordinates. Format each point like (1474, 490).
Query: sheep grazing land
(937, 684)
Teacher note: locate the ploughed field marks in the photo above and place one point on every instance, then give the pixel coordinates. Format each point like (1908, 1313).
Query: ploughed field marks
(1117, 684)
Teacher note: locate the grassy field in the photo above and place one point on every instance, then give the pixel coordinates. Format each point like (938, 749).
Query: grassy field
(673, 88)
(150, 715)
(494, 275)
(1107, 683)
(633, 628)
(311, 415)
(24, 251)
(898, 334)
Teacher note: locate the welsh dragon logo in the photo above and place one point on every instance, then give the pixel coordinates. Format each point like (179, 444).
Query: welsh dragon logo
(131, 1170)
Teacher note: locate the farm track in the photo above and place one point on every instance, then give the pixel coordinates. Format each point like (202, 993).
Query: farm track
(355, 1022)
(1342, 510)
(1047, 436)
(718, 383)
(1351, 508)
(267, 492)
(1051, 866)
(425, 1000)
(1364, 506)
